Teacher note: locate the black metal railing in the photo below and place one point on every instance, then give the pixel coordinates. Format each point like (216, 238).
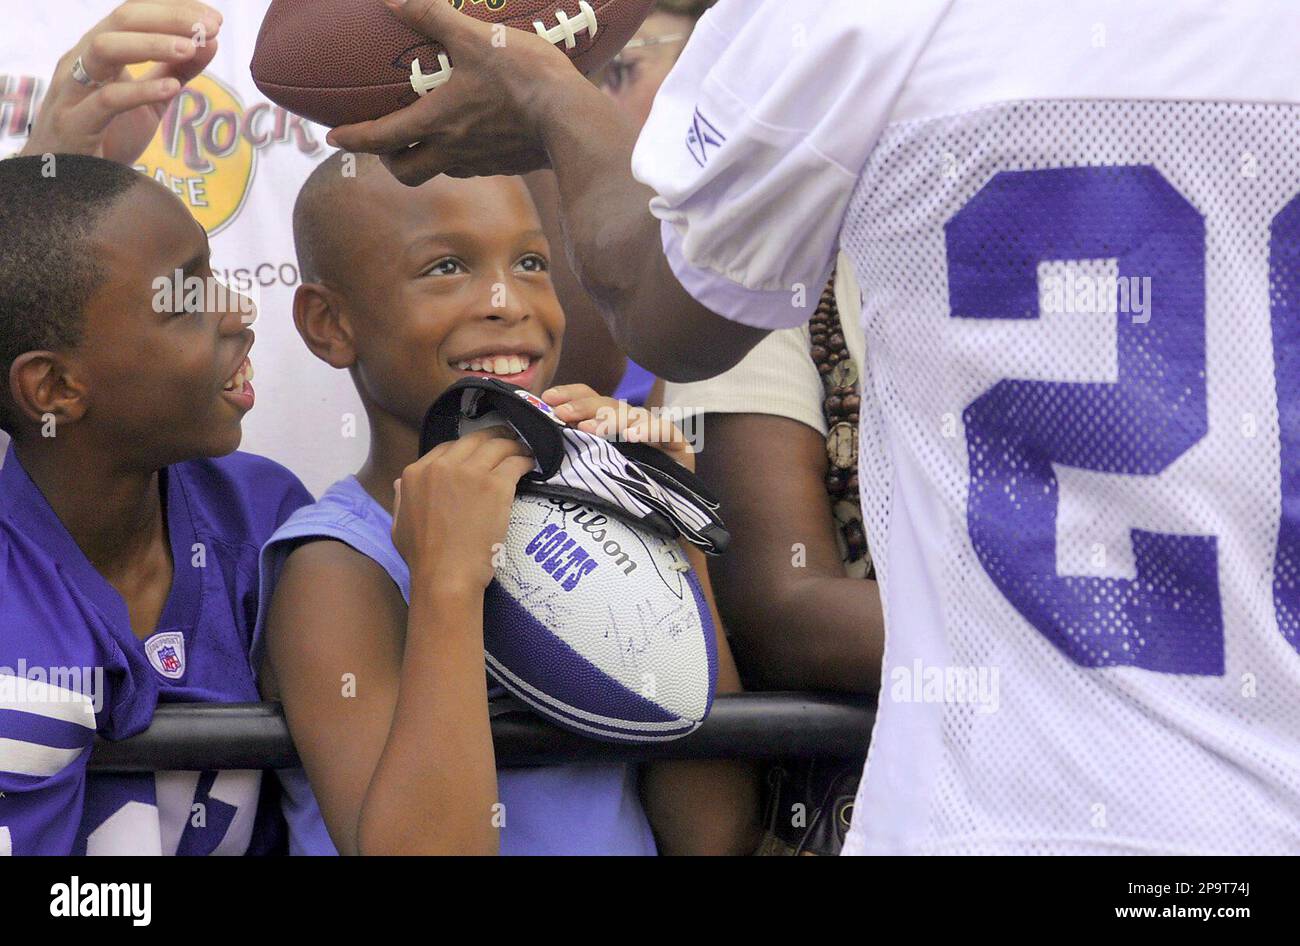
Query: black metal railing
(750, 726)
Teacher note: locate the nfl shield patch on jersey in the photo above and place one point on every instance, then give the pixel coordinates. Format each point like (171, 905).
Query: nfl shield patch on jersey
(166, 651)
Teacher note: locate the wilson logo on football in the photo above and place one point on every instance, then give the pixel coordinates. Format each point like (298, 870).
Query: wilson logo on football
(565, 31)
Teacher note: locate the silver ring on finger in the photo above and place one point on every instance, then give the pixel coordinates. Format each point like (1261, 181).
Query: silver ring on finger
(82, 77)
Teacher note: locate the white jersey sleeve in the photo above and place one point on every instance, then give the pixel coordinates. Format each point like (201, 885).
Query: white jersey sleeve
(757, 140)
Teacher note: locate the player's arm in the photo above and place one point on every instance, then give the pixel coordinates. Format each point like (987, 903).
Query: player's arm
(768, 593)
(616, 244)
(590, 353)
(560, 120)
(705, 807)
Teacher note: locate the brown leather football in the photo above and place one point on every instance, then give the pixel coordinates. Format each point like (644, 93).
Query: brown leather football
(342, 61)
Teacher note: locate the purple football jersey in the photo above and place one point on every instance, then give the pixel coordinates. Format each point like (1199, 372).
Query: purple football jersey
(70, 667)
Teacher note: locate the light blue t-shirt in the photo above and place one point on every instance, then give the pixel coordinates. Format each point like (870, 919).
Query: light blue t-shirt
(570, 809)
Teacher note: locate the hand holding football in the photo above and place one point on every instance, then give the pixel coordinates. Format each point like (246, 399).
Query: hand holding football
(339, 62)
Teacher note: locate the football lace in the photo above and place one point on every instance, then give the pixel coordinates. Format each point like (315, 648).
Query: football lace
(565, 31)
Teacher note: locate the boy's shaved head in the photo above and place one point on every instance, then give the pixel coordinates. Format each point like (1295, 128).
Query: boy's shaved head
(413, 288)
(48, 268)
(320, 213)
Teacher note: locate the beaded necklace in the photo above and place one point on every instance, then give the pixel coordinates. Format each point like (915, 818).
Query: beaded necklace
(842, 402)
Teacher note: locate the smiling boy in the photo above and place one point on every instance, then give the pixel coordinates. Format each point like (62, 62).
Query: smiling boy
(125, 546)
(410, 291)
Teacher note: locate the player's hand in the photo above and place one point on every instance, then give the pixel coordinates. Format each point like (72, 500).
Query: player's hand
(486, 120)
(117, 120)
(453, 506)
(580, 406)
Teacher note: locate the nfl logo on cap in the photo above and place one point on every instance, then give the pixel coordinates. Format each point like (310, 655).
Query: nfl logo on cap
(538, 403)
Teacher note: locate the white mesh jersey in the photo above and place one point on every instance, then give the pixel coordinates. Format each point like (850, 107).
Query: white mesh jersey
(1077, 231)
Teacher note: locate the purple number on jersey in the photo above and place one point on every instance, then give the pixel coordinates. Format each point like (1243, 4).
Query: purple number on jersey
(1284, 291)
(1168, 618)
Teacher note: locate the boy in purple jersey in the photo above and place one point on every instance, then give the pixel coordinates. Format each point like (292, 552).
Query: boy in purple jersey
(128, 556)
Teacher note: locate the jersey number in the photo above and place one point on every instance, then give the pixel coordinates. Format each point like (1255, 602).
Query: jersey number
(1167, 618)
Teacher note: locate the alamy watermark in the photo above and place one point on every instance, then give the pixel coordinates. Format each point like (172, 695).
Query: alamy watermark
(178, 293)
(1071, 292)
(653, 424)
(919, 683)
(38, 685)
(78, 898)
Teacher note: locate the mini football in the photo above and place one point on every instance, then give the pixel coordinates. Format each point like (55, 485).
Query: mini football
(342, 61)
(599, 625)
